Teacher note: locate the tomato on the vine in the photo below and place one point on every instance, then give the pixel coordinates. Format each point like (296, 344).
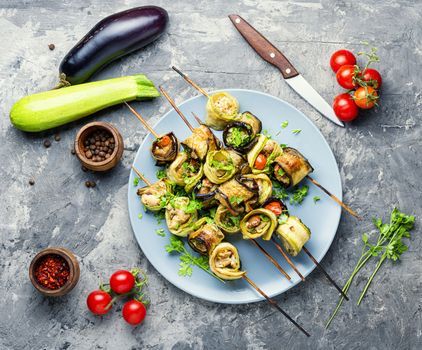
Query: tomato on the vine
(134, 312)
(345, 76)
(365, 98)
(341, 58)
(275, 207)
(260, 162)
(99, 302)
(122, 281)
(372, 77)
(345, 107)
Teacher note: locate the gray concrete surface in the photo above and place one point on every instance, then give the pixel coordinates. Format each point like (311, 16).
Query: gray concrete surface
(379, 156)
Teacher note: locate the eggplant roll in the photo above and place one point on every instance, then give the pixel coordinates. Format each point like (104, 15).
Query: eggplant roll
(263, 154)
(265, 186)
(236, 193)
(258, 223)
(205, 192)
(152, 196)
(225, 262)
(276, 205)
(291, 167)
(205, 237)
(220, 166)
(239, 136)
(165, 149)
(226, 221)
(222, 108)
(185, 171)
(293, 235)
(179, 222)
(200, 142)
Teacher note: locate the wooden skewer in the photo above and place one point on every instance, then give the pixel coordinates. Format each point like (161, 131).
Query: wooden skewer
(151, 130)
(287, 259)
(270, 258)
(197, 119)
(274, 304)
(347, 208)
(166, 95)
(142, 177)
(184, 76)
(325, 272)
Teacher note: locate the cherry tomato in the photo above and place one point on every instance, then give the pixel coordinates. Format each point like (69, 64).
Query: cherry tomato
(363, 98)
(345, 76)
(98, 302)
(345, 107)
(122, 281)
(164, 141)
(372, 77)
(341, 58)
(275, 207)
(134, 312)
(260, 162)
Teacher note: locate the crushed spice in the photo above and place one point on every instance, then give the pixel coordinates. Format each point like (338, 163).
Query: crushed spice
(52, 271)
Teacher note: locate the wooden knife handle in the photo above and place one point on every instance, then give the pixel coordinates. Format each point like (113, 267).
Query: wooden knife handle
(263, 47)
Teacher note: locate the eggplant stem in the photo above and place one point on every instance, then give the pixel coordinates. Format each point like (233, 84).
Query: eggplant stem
(142, 120)
(288, 259)
(347, 208)
(62, 82)
(184, 76)
(142, 177)
(274, 304)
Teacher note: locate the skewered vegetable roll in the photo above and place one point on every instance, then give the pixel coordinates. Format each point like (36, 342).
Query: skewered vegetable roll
(200, 142)
(179, 221)
(154, 196)
(185, 171)
(205, 237)
(291, 167)
(222, 108)
(226, 221)
(293, 235)
(165, 149)
(205, 192)
(221, 165)
(258, 223)
(253, 121)
(263, 154)
(225, 262)
(265, 186)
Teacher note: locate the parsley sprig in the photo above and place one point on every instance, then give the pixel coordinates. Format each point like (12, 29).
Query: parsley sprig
(299, 194)
(389, 245)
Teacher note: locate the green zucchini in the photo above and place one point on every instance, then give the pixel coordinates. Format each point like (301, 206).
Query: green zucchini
(53, 108)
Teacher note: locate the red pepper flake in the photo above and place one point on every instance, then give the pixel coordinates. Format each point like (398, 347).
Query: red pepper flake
(52, 271)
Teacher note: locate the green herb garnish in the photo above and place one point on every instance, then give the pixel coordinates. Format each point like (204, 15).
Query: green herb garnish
(136, 181)
(160, 232)
(192, 206)
(280, 172)
(140, 216)
(159, 216)
(296, 131)
(235, 200)
(299, 195)
(237, 137)
(160, 174)
(284, 124)
(282, 219)
(316, 199)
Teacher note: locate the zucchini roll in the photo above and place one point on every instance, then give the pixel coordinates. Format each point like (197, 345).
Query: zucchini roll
(293, 235)
(200, 142)
(225, 262)
(205, 237)
(241, 134)
(185, 171)
(205, 192)
(265, 186)
(258, 223)
(226, 221)
(263, 154)
(165, 149)
(179, 221)
(222, 108)
(220, 166)
(291, 167)
(154, 196)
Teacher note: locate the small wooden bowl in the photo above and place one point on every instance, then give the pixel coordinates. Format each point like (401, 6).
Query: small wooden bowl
(73, 275)
(107, 164)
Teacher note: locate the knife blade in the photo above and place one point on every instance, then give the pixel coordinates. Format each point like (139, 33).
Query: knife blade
(292, 77)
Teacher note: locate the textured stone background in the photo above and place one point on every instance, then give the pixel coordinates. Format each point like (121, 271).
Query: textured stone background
(379, 157)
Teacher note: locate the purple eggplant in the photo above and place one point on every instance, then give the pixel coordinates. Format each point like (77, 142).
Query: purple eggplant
(113, 37)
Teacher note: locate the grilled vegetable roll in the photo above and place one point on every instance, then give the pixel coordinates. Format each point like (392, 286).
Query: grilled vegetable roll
(241, 134)
(293, 235)
(225, 262)
(253, 121)
(222, 108)
(185, 171)
(291, 167)
(237, 193)
(179, 221)
(205, 237)
(226, 221)
(263, 154)
(200, 142)
(276, 205)
(205, 192)
(221, 165)
(165, 149)
(154, 196)
(265, 186)
(258, 223)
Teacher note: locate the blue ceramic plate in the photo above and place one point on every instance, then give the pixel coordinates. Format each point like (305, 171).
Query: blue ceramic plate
(321, 217)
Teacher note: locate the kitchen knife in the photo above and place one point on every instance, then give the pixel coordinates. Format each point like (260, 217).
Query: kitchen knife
(291, 76)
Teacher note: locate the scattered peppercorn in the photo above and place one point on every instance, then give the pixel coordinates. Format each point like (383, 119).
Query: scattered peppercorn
(93, 184)
(52, 271)
(31, 182)
(88, 184)
(99, 145)
(47, 143)
(51, 46)
(57, 137)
